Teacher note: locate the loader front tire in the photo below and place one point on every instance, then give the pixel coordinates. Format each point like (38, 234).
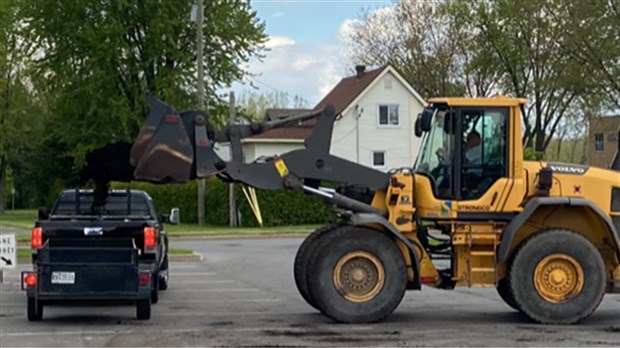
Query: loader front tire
(300, 267)
(358, 275)
(557, 277)
(505, 292)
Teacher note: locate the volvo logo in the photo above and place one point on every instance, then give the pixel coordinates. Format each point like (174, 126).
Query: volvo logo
(568, 169)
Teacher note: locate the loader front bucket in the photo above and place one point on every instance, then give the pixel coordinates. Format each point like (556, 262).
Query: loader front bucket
(162, 151)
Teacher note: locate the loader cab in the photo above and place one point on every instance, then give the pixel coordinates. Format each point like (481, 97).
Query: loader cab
(468, 148)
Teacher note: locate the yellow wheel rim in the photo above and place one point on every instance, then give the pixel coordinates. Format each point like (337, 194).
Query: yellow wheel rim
(558, 278)
(359, 276)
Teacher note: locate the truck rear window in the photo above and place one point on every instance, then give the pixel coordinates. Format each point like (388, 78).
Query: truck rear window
(115, 205)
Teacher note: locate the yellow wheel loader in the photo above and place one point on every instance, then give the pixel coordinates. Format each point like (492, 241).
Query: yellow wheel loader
(545, 235)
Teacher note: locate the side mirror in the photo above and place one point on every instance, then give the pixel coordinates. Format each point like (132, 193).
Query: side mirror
(175, 216)
(417, 130)
(425, 120)
(42, 213)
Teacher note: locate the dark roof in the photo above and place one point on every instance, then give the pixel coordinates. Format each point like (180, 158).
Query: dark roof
(340, 97)
(278, 114)
(348, 89)
(295, 131)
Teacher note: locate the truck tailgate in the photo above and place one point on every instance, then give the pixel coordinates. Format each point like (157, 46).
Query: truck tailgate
(83, 269)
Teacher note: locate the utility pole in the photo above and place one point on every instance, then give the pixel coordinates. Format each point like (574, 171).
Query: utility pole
(232, 205)
(201, 97)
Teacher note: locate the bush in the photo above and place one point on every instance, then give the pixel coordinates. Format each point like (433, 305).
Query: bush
(280, 207)
(529, 154)
(168, 196)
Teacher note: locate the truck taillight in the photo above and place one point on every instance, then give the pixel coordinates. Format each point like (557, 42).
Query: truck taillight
(30, 280)
(150, 238)
(36, 240)
(145, 278)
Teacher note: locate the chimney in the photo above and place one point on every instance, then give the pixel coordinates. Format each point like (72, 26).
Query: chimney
(360, 70)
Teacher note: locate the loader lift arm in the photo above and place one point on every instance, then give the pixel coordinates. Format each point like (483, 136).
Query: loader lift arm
(179, 147)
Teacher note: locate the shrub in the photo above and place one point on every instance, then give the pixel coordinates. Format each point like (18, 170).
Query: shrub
(280, 207)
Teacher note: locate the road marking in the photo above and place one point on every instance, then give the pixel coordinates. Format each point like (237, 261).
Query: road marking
(204, 281)
(218, 301)
(175, 266)
(172, 274)
(218, 290)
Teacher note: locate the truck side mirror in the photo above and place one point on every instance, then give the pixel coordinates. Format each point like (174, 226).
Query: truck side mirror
(42, 213)
(418, 126)
(175, 216)
(425, 120)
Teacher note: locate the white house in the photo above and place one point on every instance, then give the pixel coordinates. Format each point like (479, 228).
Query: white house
(376, 111)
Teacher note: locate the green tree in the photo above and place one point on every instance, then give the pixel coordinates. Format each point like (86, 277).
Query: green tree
(101, 58)
(20, 116)
(520, 36)
(253, 105)
(530, 49)
(591, 32)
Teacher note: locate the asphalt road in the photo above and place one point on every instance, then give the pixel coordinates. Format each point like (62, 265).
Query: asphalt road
(243, 294)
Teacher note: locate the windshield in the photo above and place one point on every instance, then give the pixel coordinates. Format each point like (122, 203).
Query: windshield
(435, 156)
(115, 205)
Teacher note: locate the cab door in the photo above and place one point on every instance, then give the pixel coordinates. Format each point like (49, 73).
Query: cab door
(482, 164)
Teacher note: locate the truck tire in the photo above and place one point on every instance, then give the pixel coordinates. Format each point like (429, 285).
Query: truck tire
(301, 261)
(505, 292)
(34, 309)
(557, 277)
(155, 290)
(163, 279)
(143, 309)
(357, 275)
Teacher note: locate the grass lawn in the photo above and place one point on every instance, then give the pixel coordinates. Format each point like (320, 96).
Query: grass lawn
(195, 230)
(24, 219)
(21, 218)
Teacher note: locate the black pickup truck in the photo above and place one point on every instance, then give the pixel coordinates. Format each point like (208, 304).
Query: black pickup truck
(94, 248)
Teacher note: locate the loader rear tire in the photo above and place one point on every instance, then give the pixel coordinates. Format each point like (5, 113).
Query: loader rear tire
(357, 275)
(300, 267)
(557, 277)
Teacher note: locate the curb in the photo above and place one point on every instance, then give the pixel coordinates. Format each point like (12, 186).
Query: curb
(242, 236)
(194, 256)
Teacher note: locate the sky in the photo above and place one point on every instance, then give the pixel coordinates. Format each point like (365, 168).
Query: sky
(305, 55)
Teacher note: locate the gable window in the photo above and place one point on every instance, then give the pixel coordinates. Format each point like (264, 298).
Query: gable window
(599, 142)
(378, 158)
(388, 115)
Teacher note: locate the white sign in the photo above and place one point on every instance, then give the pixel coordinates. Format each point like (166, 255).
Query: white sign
(8, 251)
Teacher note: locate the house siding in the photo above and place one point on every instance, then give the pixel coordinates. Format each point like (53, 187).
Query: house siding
(608, 127)
(399, 142)
(255, 150)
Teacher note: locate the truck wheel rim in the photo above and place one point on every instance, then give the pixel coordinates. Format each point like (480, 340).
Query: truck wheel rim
(359, 276)
(558, 278)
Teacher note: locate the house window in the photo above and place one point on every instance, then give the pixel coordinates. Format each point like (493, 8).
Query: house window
(599, 142)
(388, 115)
(378, 158)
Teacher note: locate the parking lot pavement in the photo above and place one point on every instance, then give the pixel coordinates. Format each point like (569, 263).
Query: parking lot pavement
(242, 293)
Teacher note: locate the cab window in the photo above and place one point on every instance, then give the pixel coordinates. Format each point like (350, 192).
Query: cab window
(484, 156)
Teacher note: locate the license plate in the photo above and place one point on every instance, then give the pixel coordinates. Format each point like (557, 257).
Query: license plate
(63, 277)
